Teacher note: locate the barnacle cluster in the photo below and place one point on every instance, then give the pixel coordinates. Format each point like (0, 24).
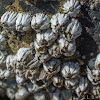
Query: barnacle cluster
(41, 66)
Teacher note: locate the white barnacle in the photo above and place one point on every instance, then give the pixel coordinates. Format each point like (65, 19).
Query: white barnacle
(45, 39)
(4, 18)
(66, 48)
(58, 20)
(97, 62)
(40, 22)
(3, 42)
(23, 22)
(72, 7)
(73, 30)
(52, 66)
(82, 87)
(70, 70)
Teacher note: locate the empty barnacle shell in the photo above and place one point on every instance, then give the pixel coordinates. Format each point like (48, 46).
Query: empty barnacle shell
(10, 93)
(52, 66)
(70, 70)
(58, 20)
(72, 8)
(21, 94)
(3, 42)
(3, 55)
(57, 81)
(73, 30)
(66, 48)
(40, 22)
(93, 75)
(54, 50)
(97, 62)
(82, 87)
(71, 83)
(23, 22)
(46, 38)
(4, 18)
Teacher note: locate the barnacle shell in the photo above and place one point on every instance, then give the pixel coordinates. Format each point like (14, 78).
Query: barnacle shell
(73, 30)
(3, 42)
(58, 20)
(8, 74)
(46, 38)
(23, 22)
(52, 66)
(72, 7)
(97, 62)
(71, 83)
(70, 70)
(57, 81)
(21, 94)
(82, 88)
(54, 50)
(66, 48)
(40, 22)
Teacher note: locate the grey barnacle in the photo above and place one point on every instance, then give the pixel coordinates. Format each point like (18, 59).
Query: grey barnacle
(58, 20)
(97, 62)
(23, 22)
(66, 48)
(82, 87)
(52, 66)
(72, 8)
(40, 22)
(70, 70)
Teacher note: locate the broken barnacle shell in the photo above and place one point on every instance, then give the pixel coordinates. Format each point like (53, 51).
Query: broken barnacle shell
(46, 38)
(52, 66)
(66, 48)
(97, 62)
(58, 20)
(70, 70)
(40, 22)
(57, 81)
(72, 8)
(73, 30)
(23, 22)
(71, 83)
(4, 19)
(21, 94)
(93, 75)
(3, 42)
(82, 87)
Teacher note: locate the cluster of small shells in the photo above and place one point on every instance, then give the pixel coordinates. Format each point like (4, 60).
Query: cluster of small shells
(40, 67)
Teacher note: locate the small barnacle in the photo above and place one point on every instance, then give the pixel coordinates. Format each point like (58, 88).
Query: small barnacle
(4, 18)
(52, 66)
(54, 50)
(40, 22)
(8, 74)
(23, 22)
(97, 62)
(3, 42)
(72, 8)
(82, 87)
(73, 30)
(21, 94)
(71, 83)
(66, 48)
(58, 20)
(70, 70)
(57, 81)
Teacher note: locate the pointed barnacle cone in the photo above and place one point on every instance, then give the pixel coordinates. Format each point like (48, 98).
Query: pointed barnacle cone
(70, 70)
(72, 8)
(57, 81)
(52, 66)
(82, 87)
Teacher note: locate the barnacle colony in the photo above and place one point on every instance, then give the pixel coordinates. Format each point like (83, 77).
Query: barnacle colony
(41, 66)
